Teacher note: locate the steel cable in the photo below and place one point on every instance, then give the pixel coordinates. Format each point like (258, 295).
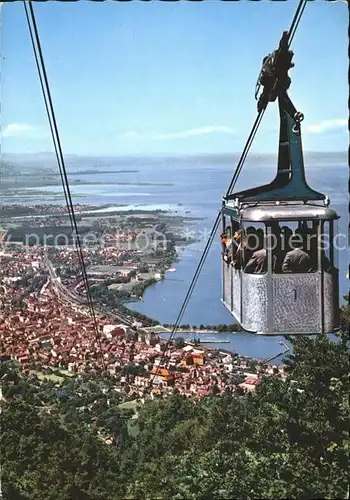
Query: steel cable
(34, 35)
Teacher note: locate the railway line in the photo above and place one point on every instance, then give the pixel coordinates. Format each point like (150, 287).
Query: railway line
(76, 299)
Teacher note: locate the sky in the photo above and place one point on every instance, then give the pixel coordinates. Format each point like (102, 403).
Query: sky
(157, 78)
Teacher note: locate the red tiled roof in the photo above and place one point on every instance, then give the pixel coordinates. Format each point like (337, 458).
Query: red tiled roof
(251, 381)
(163, 372)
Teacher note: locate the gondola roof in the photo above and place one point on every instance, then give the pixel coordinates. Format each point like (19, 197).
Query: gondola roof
(281, 212)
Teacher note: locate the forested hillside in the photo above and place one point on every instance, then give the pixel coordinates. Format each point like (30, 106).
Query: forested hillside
(289, 440)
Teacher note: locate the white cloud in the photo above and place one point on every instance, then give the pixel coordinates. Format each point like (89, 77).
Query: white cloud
(130, 135)
(195, 132)
(23, 130)
(327, 125)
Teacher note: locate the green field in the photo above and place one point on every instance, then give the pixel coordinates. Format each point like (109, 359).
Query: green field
(54, 377)
(129, 404)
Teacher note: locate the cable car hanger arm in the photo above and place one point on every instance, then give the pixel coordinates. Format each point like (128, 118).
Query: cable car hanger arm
(290, 182)
(273, 76)
(284, 45)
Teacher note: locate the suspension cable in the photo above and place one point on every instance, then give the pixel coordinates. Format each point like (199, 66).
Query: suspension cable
(291, 33)
(296, 20)
(48, 114)
(245, 152)
(51, 125)
(33, 30)
(217, 220)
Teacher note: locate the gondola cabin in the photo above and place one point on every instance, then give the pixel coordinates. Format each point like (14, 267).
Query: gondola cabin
(279, 265)
(266, 296)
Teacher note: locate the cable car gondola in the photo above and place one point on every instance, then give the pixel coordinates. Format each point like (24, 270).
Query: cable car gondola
(267, 292)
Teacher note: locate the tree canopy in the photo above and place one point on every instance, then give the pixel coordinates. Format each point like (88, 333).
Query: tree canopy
(288, 440)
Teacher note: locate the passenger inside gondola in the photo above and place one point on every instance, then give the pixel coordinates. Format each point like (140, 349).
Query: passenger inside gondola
(297, 260)
(242, 248)
(310, 235)
(286, 234)
(225, 236)
(237, 246)
(257, 264)
(225, 243)
(228, 243)
(293, 251)
(236, 234)
(281, 245)
(251, 243)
